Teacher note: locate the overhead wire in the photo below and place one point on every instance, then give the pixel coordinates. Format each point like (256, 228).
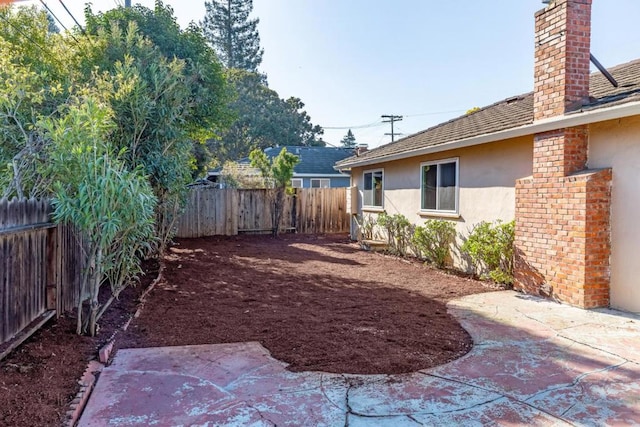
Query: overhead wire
(380, 123)
(53, 14)
(372, 124)
(72, 17)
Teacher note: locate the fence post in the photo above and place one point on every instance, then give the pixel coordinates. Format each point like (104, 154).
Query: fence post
(294, 210)
(52, 283)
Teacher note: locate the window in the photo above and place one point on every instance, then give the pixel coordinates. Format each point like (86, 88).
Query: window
(296, 183)
(320, 183)
(373, 188)
(440, 186)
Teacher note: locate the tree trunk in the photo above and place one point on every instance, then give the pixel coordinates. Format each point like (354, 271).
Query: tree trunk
(95, 290)
(277, 210)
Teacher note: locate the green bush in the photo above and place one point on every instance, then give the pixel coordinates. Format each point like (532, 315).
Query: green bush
(490, 246)
(433, 240)
(366, 225)
(398, 230)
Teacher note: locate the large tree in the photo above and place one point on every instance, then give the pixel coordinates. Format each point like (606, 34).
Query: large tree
(56, 134)
(175, 96)
(203, 72)
(263, 120)
(232, 34)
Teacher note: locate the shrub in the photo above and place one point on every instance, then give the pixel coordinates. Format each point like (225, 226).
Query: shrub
(490, 246)
(366, 225)
(398, 230)
(433, 240)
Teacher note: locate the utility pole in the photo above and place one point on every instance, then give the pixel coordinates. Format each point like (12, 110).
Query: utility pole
(391, 119)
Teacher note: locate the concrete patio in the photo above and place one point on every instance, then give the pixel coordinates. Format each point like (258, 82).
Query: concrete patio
(534, 362)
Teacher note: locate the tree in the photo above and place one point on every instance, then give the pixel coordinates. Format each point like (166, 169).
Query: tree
(36, 71)
(300, 131)
(52, 26)
(208, 115)
(104, 124)
(111, 206)
(277, 174)
(173, 94)
(349, 141)
(232, 34)
(263, 120)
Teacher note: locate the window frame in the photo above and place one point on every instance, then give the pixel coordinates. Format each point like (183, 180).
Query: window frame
(437, 163)
(297, 179)
(328, 180)
(364, 174)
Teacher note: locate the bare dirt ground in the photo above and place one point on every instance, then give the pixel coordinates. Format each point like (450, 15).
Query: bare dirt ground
(316, 302)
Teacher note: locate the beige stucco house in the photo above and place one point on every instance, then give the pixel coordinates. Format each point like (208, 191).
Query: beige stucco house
(563, 161)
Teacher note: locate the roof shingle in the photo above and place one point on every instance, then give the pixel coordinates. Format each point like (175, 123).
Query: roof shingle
(511, 113)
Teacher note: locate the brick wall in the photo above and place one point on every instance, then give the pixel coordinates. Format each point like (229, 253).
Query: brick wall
(563, 211)
(562, 237)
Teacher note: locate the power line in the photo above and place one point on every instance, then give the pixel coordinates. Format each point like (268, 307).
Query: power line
(378, 123)
(72, 17)
(372, 124)
(59, 22)
(54, 15)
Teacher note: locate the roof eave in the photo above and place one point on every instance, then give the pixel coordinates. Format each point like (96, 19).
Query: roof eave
(568, 120)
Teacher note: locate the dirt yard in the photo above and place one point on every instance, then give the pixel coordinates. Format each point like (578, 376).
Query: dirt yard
(316, 302)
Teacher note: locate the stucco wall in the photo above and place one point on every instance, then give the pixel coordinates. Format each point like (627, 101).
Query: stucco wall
(487, 175)
(616, 144)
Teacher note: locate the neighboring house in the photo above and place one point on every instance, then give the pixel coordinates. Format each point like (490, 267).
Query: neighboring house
(314, 170)
(563, 161)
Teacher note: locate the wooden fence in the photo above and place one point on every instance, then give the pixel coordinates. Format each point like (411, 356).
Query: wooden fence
(228, 212)
(40, 266)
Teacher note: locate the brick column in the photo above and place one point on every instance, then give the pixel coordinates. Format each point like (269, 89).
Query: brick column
(562, 211)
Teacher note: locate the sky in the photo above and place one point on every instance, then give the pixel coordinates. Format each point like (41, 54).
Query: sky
(352, 61)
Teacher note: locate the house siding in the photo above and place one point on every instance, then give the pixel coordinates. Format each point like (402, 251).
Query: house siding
(616, 144)
(336, 182)
(487, 174)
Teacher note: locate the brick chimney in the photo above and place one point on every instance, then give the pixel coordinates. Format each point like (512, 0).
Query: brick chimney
(562, 211)
(361, 149)
(563, 45)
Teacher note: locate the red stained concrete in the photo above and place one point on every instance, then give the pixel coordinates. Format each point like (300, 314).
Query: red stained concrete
(534, 362)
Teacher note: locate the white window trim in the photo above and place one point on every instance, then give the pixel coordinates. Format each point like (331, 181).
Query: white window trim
(320, 179)
(440, 212)
(373, 207)
(297, 179)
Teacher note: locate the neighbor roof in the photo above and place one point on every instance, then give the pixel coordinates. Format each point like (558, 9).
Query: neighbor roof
(509, 113)
(313, 160)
